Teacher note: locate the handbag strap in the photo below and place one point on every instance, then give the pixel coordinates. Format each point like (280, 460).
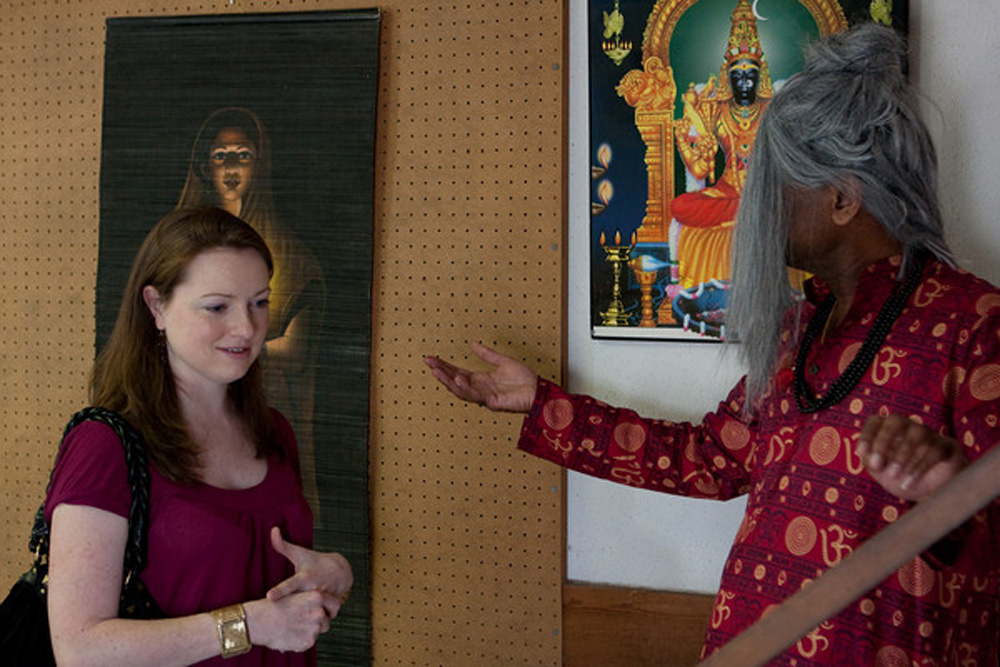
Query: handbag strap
(138, 481)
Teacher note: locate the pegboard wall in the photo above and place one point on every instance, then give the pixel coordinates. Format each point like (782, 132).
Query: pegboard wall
(467, 533)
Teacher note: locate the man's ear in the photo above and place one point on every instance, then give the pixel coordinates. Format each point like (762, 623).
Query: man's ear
(155, 304)
(846, 202)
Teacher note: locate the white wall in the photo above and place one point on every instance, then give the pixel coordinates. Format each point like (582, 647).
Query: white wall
(622, 536)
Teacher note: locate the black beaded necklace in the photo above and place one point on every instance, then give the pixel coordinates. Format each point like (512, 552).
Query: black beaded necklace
(842, 386)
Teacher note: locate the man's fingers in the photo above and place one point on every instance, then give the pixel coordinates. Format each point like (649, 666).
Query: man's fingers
(487, 354)
(881, 439)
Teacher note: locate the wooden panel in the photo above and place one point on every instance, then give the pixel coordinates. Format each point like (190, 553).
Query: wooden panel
(609, 626)
(468, 532)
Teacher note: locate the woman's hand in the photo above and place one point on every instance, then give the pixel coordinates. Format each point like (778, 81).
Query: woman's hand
(292, 623)
(328, 574)
(906, 458)
(509, 387)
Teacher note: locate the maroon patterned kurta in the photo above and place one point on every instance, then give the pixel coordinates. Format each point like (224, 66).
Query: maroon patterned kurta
(810, 500)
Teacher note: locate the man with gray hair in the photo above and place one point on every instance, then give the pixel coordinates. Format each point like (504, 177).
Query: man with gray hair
(860, 399)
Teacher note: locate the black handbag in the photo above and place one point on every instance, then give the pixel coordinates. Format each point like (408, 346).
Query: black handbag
(24, 621)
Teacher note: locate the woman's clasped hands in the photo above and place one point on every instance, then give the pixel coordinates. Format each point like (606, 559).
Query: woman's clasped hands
(298, 610)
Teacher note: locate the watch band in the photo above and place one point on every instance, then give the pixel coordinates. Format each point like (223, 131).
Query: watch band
(232, 625)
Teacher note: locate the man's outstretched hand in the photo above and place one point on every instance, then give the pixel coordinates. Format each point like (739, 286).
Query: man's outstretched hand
(508, 387)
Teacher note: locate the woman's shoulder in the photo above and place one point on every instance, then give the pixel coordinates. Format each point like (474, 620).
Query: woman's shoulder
(285, 436)
(90, 469)
(282, 427)
(90, 438)
(284, 433)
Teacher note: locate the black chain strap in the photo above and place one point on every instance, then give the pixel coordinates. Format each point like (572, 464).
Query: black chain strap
(135, 599)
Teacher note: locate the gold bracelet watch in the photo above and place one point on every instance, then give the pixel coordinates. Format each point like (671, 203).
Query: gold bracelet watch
(232, 625)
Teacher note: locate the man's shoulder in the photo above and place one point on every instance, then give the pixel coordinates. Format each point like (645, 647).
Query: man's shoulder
(955, 293)
(960, 280)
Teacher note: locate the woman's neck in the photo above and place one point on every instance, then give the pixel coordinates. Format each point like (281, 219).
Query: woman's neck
(204, 405)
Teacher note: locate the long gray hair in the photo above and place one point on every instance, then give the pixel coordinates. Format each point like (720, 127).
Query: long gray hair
(849, 119)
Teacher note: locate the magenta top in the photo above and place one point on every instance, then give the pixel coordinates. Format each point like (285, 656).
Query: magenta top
(208, 547)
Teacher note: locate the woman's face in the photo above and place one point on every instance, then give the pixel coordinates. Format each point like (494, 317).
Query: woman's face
(231, 161)
(216, 319)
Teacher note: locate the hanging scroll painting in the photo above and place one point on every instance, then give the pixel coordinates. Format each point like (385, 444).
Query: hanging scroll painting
(275, 112)
(673, 113)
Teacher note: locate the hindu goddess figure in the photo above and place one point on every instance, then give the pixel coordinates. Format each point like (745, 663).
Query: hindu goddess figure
(722, 114)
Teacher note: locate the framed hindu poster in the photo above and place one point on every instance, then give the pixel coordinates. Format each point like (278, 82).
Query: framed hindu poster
(271, 116)
(677, 88)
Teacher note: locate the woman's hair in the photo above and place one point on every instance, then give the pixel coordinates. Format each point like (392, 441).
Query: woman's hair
(198, 189)
(132, 375)
(849, 119)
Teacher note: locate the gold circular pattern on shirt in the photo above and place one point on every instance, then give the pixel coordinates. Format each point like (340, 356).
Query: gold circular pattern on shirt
(987, 303)
(953, 379)
(939, 329)
(916, 578)
(984, 384)
(800, 536)
(558, 414)
(825, 445)
(706, 486)
(847, 356)
(735, 436)
(891, 656)
(630, 437)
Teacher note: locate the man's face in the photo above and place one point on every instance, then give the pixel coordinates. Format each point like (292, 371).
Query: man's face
(811, 231)
(744, 75)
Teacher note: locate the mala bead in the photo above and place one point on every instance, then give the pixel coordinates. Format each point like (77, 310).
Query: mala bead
(806, 400)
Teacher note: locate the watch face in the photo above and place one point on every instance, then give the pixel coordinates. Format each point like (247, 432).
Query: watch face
(233, 637)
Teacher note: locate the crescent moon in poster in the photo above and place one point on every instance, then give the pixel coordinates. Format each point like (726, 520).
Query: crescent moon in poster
(756, 13)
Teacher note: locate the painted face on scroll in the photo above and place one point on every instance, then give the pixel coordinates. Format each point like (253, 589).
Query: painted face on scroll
(230, 166)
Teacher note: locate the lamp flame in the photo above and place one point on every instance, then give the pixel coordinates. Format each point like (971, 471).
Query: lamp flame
(605, 191)
(604, 155)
